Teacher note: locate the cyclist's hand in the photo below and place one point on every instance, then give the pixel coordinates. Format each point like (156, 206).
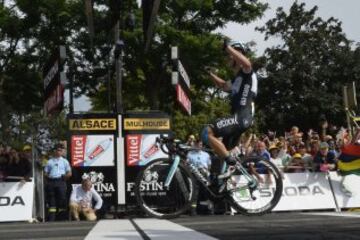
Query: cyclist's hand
(225, 43)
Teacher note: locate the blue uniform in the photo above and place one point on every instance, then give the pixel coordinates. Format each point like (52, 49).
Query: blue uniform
(56, 189)
(56, 167)
(200, 159)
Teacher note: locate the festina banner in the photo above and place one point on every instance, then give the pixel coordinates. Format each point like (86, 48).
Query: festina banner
(16, 201)
(142, 148)
(152, 185)
(103, 180)
(92, 150)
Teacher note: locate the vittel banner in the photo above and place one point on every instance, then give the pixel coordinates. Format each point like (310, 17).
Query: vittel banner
(92, 150)
(141, 149)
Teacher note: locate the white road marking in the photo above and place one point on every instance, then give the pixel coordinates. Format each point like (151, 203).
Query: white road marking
(336, 214)
(113, 229)
(155, 229)
(164, 230)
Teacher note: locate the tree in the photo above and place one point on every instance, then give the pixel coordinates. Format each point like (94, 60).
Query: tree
(189, 25)
(306, 72)
(31, 30)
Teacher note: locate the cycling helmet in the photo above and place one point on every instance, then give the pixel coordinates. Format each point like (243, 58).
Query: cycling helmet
(238, 46)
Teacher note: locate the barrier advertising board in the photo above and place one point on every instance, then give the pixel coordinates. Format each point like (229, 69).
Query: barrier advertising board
(346, 190)
(305, 191)
(141, 149)
(140, 132)
(92, 150)
(103, 180)
(16, 201)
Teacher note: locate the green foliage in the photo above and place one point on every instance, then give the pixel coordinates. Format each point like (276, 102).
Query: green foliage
(305, 74)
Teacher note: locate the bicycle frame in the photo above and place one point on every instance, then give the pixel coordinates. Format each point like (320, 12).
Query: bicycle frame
(200, 178)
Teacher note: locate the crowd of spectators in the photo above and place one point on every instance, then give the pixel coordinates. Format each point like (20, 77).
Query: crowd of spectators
(15, 164)
(295, 151)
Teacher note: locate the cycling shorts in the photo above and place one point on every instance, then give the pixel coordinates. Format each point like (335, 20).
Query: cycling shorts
(230, 128)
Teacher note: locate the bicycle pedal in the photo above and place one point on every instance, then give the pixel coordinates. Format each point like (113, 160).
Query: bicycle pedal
(227, 174)
(222, 187)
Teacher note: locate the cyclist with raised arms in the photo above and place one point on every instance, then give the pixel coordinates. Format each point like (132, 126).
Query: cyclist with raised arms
(242, 90)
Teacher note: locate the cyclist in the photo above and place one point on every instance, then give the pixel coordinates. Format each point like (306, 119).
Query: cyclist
(243, 90)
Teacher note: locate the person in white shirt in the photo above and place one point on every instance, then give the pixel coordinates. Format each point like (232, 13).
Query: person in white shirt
(81, 200)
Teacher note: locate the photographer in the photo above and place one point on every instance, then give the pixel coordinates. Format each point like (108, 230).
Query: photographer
(81, 201)
(57, 171)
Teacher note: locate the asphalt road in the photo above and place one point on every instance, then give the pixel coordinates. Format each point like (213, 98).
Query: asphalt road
(272, 226)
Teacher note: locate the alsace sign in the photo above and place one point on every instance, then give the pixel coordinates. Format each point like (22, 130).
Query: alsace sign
(101, 124)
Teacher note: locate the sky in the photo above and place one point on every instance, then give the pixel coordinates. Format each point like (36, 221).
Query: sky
(347, 11)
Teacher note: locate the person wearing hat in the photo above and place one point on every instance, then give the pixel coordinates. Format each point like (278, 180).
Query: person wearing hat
(57, 171)
(274, 156)
(296, 164)
(81, 200)
(324, 159)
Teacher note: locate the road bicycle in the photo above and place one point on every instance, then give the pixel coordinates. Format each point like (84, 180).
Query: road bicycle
(167, 187)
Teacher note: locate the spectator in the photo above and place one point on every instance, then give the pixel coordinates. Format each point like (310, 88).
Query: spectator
(296, 165)
(283, 153)
(3, 163)
(295, 143)
(333, 147)
(257, 169)
(274, 157)
(57, 170)
(306, 157)
(314, 147)
(191, 140)
(324, 159)
(81, 201)
(202, 161)
(18, 166)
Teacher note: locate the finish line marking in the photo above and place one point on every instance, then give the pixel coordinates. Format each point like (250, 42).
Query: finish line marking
(143, 229)
(335, 214)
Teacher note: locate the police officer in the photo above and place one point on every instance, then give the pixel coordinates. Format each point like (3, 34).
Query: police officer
(57, 171)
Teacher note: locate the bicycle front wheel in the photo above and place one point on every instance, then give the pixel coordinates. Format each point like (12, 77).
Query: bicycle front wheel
(258, 191)
(160, 201)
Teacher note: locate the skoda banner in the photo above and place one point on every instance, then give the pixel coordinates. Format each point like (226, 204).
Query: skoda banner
(16, 201)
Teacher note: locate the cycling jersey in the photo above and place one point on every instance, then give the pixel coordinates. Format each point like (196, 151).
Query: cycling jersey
(243, 93)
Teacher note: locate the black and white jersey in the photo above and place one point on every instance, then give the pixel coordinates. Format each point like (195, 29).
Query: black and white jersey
(243, 91)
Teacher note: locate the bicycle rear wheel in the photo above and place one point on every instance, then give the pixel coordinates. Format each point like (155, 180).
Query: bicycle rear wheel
(164, 202)
(259, 197)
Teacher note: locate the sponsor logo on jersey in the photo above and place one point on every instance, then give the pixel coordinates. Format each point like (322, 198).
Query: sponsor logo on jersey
(245, 94)
(227, 122)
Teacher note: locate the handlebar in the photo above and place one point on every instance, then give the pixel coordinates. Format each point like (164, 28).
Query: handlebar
(168, 144)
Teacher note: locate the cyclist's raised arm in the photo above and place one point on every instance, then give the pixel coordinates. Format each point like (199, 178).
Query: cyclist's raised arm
(239, 58)
(220, 83)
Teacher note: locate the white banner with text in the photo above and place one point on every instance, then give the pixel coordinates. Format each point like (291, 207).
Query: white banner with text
(16, 201)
